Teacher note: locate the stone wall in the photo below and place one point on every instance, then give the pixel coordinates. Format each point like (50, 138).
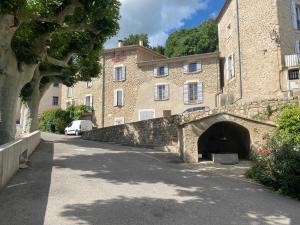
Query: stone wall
(156, 132)
(249, 110)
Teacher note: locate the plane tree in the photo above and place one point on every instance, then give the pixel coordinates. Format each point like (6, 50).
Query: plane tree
(26, 30)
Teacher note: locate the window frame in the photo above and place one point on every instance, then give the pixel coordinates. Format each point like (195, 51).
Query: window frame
(91, 100)
(116, 98)
(164, 95)
(70, 90)
(55, 102)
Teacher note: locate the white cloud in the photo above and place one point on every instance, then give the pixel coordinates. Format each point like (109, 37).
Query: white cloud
(154, 17)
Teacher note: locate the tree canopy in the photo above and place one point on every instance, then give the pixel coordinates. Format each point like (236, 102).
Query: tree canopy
(190, 41)
(133, 39)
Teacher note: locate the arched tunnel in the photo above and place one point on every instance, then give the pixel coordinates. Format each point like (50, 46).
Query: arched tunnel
(223, 138)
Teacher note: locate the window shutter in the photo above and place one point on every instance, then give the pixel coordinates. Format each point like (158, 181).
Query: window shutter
(199, 66)
(156, 92)
(294, 14)
(297, 47)
(91, 101)
(166, 70)
(122, 93)
(114, 74)
(227, 68)
(200, 92)
(115, 97)
(155, 72)
(186, 68)
(186, 93)
(167, 91)
(124, 73)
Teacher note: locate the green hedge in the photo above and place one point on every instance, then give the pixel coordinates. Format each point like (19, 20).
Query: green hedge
(56, 120)
(277, 163)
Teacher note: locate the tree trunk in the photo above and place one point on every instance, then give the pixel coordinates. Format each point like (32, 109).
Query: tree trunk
(30, 108)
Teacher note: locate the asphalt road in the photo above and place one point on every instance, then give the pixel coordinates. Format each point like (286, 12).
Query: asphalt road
(72, 181)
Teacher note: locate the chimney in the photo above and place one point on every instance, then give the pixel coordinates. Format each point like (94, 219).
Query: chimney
(141, 43)
(120, 43)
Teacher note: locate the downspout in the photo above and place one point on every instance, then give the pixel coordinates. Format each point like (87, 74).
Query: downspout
(239, 49)
(103, 91)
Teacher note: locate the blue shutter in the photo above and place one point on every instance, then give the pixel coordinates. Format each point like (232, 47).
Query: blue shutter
(186, 93)
(200, 92)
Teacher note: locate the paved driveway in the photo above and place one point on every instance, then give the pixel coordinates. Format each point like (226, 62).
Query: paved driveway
(72, 181)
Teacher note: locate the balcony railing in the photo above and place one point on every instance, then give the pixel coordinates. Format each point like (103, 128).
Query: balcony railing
(292, 60)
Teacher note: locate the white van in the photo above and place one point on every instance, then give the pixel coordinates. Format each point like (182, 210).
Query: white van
(78, 126)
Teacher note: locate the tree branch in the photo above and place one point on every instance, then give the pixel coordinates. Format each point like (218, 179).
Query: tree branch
(61, 63)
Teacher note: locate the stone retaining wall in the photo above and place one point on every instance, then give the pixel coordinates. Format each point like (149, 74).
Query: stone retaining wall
(11, 153)
(156, 132)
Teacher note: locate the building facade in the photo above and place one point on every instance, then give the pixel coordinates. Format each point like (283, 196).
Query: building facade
(139, 84)
(258, 58)
(259, 49)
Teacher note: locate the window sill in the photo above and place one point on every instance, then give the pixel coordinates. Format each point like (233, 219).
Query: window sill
(161, 100)
(193, 103)
(119, 81)
(160, 76)
(199, 71)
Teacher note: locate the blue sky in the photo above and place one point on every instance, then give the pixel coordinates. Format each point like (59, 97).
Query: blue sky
(158, 18)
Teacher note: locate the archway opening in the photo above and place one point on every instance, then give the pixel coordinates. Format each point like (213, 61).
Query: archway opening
(224, 138)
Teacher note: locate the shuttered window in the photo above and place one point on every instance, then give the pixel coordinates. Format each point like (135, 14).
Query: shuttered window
(88, 101)
(118, 97)
(294, 74)
(146, 114)
(161, 71)
(119, 73)
(194, 67)
(161, 92)
(193, 92)
(70, 92)
(295, 9)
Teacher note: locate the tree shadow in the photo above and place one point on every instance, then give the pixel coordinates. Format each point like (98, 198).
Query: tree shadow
(24, 199)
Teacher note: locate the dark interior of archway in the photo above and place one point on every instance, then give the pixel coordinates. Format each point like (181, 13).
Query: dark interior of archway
(225, 137)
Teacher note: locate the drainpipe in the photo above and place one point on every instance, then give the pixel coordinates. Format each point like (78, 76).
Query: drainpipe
(239, 49)
(103, 90)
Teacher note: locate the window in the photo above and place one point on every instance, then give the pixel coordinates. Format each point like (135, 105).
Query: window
(146, 114)
(293, 74)
(193, 67)
(70, 92)
(161, 71)
(193, 92)
(55, 100)
(88, 101)
(119, 73)
(230, 67)
(89, 84)
(56, 84)
(296, 15)
(118, 98)
(161, 92)
(119, 121)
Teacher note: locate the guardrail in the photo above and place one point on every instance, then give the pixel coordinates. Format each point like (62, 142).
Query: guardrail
(11, 154)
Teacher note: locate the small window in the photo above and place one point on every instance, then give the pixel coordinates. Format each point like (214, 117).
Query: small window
(293, 74)
(89, 100)
(55, 101)
(70, 92)
(193, 67)
(56, 84)
(193, 92)
(146, 114)
(162, 71)
(119, 73)
(118, 98)
(161, 92)
(89, 84)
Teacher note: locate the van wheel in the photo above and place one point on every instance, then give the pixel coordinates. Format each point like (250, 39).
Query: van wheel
(77, 133)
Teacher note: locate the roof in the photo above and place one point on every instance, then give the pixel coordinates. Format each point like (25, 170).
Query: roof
(180, 59)
(133, 47)
(221, 13)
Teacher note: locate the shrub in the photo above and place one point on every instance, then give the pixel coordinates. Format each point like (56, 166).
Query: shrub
(277, 163)
(56, 120)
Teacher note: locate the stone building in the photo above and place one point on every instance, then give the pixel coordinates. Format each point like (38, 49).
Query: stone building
(139, 84)
(259, 49)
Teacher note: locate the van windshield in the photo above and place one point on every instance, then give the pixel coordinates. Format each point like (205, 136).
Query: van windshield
(70, 124)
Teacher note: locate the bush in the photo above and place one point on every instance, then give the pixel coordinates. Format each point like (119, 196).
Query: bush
(277, 163)
(56, 120)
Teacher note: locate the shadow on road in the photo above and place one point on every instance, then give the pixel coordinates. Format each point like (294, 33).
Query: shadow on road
(24, 200)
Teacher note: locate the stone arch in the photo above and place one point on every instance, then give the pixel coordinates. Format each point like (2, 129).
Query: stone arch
(190, 132)
(225, 137)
